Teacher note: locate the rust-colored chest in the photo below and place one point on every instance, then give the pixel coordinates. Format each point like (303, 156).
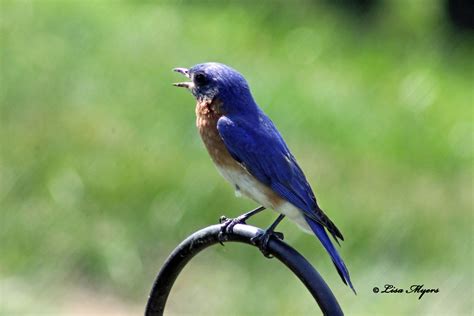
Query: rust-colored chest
(207, 115)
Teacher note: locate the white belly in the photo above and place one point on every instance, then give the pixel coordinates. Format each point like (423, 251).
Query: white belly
(246, 184)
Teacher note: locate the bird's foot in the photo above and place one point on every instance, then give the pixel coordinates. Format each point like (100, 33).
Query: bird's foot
(261, 241)
(227, 226)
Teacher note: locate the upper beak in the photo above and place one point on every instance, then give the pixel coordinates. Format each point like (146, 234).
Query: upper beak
(187, 84)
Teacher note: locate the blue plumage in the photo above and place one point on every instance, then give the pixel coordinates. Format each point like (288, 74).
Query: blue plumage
(258, 146)
(229, 114)
(319, 231)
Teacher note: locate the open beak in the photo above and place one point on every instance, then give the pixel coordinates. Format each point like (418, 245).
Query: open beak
(187, 84)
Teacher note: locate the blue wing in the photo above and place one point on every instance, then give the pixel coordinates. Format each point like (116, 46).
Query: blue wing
(263, 152)
(259, 147)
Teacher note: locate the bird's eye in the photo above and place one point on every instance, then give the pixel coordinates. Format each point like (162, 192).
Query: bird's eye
(200, 79)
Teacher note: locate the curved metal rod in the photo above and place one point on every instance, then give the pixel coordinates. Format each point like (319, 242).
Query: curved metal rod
(208, 236)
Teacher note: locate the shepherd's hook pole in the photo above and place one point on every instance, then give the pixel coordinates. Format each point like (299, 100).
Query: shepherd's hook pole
(209, 236)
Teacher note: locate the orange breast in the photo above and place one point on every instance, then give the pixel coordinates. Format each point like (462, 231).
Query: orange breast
(207, 115)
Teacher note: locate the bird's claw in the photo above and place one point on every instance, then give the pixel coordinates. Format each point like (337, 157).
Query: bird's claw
(222, 219)
(261, 241)
(227, 226)
(279, 235)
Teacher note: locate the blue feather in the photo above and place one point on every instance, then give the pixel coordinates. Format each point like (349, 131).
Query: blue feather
(259, 147)
(319, 231)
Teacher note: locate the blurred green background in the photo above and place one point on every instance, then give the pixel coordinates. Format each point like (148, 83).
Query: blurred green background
(102, 172)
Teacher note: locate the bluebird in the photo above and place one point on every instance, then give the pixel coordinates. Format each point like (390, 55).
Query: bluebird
(251, 154)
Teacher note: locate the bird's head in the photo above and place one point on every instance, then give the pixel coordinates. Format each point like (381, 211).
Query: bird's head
(215, 81)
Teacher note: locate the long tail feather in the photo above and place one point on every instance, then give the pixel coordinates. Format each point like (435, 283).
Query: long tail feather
(320, 232)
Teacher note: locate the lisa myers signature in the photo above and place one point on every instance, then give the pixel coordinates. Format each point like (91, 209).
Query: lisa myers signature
(415, 288)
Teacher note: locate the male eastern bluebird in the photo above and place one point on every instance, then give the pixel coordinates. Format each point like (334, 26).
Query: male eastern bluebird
(251, 154)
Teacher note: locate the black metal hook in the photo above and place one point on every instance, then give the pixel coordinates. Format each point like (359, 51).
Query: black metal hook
(209, 236)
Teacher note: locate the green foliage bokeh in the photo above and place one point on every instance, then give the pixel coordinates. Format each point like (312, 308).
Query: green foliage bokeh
(102, 172)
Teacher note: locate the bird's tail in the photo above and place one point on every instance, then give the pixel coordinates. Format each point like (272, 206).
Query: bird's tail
(320, 232)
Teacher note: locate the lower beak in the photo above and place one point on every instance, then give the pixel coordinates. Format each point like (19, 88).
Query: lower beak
(185, 72)
(186, 84)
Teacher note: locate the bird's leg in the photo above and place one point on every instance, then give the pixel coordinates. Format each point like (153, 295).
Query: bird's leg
(242, 218)
(262, 240)
(229, 223)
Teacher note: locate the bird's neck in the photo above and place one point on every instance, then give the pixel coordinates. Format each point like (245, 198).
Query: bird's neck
(207, 113)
